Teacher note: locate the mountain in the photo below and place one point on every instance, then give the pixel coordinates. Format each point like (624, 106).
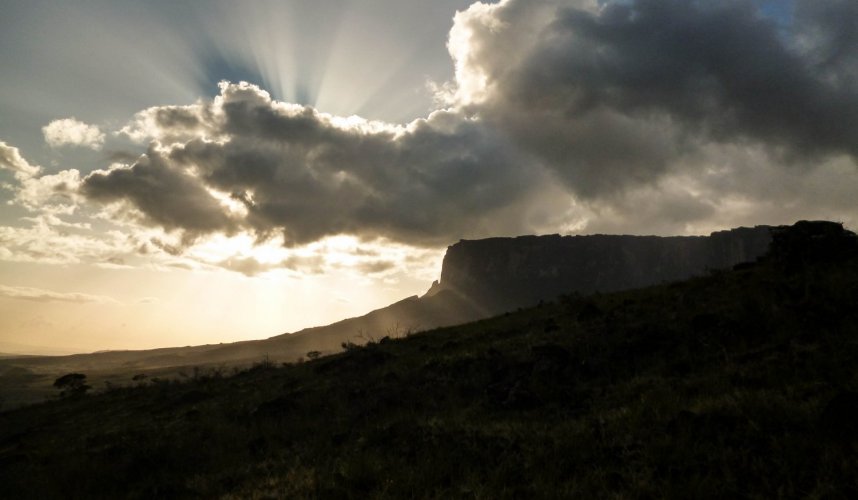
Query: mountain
(740, 383)
(479, 278)
(501, 274)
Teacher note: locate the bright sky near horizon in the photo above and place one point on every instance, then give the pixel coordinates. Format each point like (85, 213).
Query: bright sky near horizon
(177, 173)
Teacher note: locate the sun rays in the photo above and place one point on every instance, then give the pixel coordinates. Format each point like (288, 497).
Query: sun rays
(337, 57)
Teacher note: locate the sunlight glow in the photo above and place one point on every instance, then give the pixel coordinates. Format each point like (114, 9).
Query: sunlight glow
(334, 56)
(233, 206)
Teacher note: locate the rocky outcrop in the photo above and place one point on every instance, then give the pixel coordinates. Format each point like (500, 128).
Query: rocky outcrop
(504, 273)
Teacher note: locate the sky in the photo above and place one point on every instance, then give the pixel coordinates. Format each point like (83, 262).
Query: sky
(182, 173)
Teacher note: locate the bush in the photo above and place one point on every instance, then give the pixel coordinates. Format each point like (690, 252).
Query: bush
(72, 384)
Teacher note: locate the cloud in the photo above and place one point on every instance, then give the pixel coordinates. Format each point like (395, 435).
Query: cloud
(55, 193)
(620, 95)
(72, 132)
(169, 124)
(634, 115)
(41, 295)
(308, 175)
(11, 159)
(49, 194)
(250, 266)
(50, 240)
(376, 267)
(165, 194)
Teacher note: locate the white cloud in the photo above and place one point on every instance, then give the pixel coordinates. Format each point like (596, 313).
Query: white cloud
(46, 194)
(11, 159)
(49, 240)
(70, 131)
(55, 193)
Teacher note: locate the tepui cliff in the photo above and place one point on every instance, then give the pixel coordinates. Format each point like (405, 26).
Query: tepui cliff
(504, 273)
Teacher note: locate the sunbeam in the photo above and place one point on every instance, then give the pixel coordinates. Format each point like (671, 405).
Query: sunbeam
(336, 56)
(287, 43)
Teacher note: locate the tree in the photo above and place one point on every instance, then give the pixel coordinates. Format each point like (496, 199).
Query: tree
(72, 384)
(313, 354)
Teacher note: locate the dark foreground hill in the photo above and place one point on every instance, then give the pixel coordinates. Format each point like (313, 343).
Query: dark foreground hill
(740, 384)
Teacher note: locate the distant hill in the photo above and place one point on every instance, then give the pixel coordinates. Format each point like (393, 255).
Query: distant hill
(5, 355)
(740, 383)
(119, 367)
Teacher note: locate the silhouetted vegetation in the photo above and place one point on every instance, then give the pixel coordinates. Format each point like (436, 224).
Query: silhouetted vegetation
(72, 385)
(738, 384)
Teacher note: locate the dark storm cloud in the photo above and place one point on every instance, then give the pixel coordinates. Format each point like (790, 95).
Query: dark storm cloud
(167, 196)
(829, 29)
(616, 96)
(657, 113)
(304, 174)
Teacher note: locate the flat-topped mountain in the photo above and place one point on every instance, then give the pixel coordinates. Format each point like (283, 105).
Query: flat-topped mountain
(505, 273)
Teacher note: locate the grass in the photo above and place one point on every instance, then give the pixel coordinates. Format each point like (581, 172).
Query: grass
(738, 384)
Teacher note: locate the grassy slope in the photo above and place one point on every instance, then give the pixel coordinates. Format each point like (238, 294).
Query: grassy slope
(28, 380)
(742, 383)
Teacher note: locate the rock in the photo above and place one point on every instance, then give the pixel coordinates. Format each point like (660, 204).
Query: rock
(812, 241)
(501, 274)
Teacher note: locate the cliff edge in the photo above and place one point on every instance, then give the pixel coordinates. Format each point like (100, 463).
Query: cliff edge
(504, 273)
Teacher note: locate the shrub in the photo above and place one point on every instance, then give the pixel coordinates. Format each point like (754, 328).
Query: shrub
(72, 384)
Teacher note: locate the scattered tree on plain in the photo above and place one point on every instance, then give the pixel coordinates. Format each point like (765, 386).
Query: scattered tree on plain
(72, 384)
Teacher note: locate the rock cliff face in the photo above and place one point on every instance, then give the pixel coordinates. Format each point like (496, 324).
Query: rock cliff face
(503, 273)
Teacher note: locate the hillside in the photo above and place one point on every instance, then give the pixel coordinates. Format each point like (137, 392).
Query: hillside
(479, 278)
(740, 383)
(27, 379)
